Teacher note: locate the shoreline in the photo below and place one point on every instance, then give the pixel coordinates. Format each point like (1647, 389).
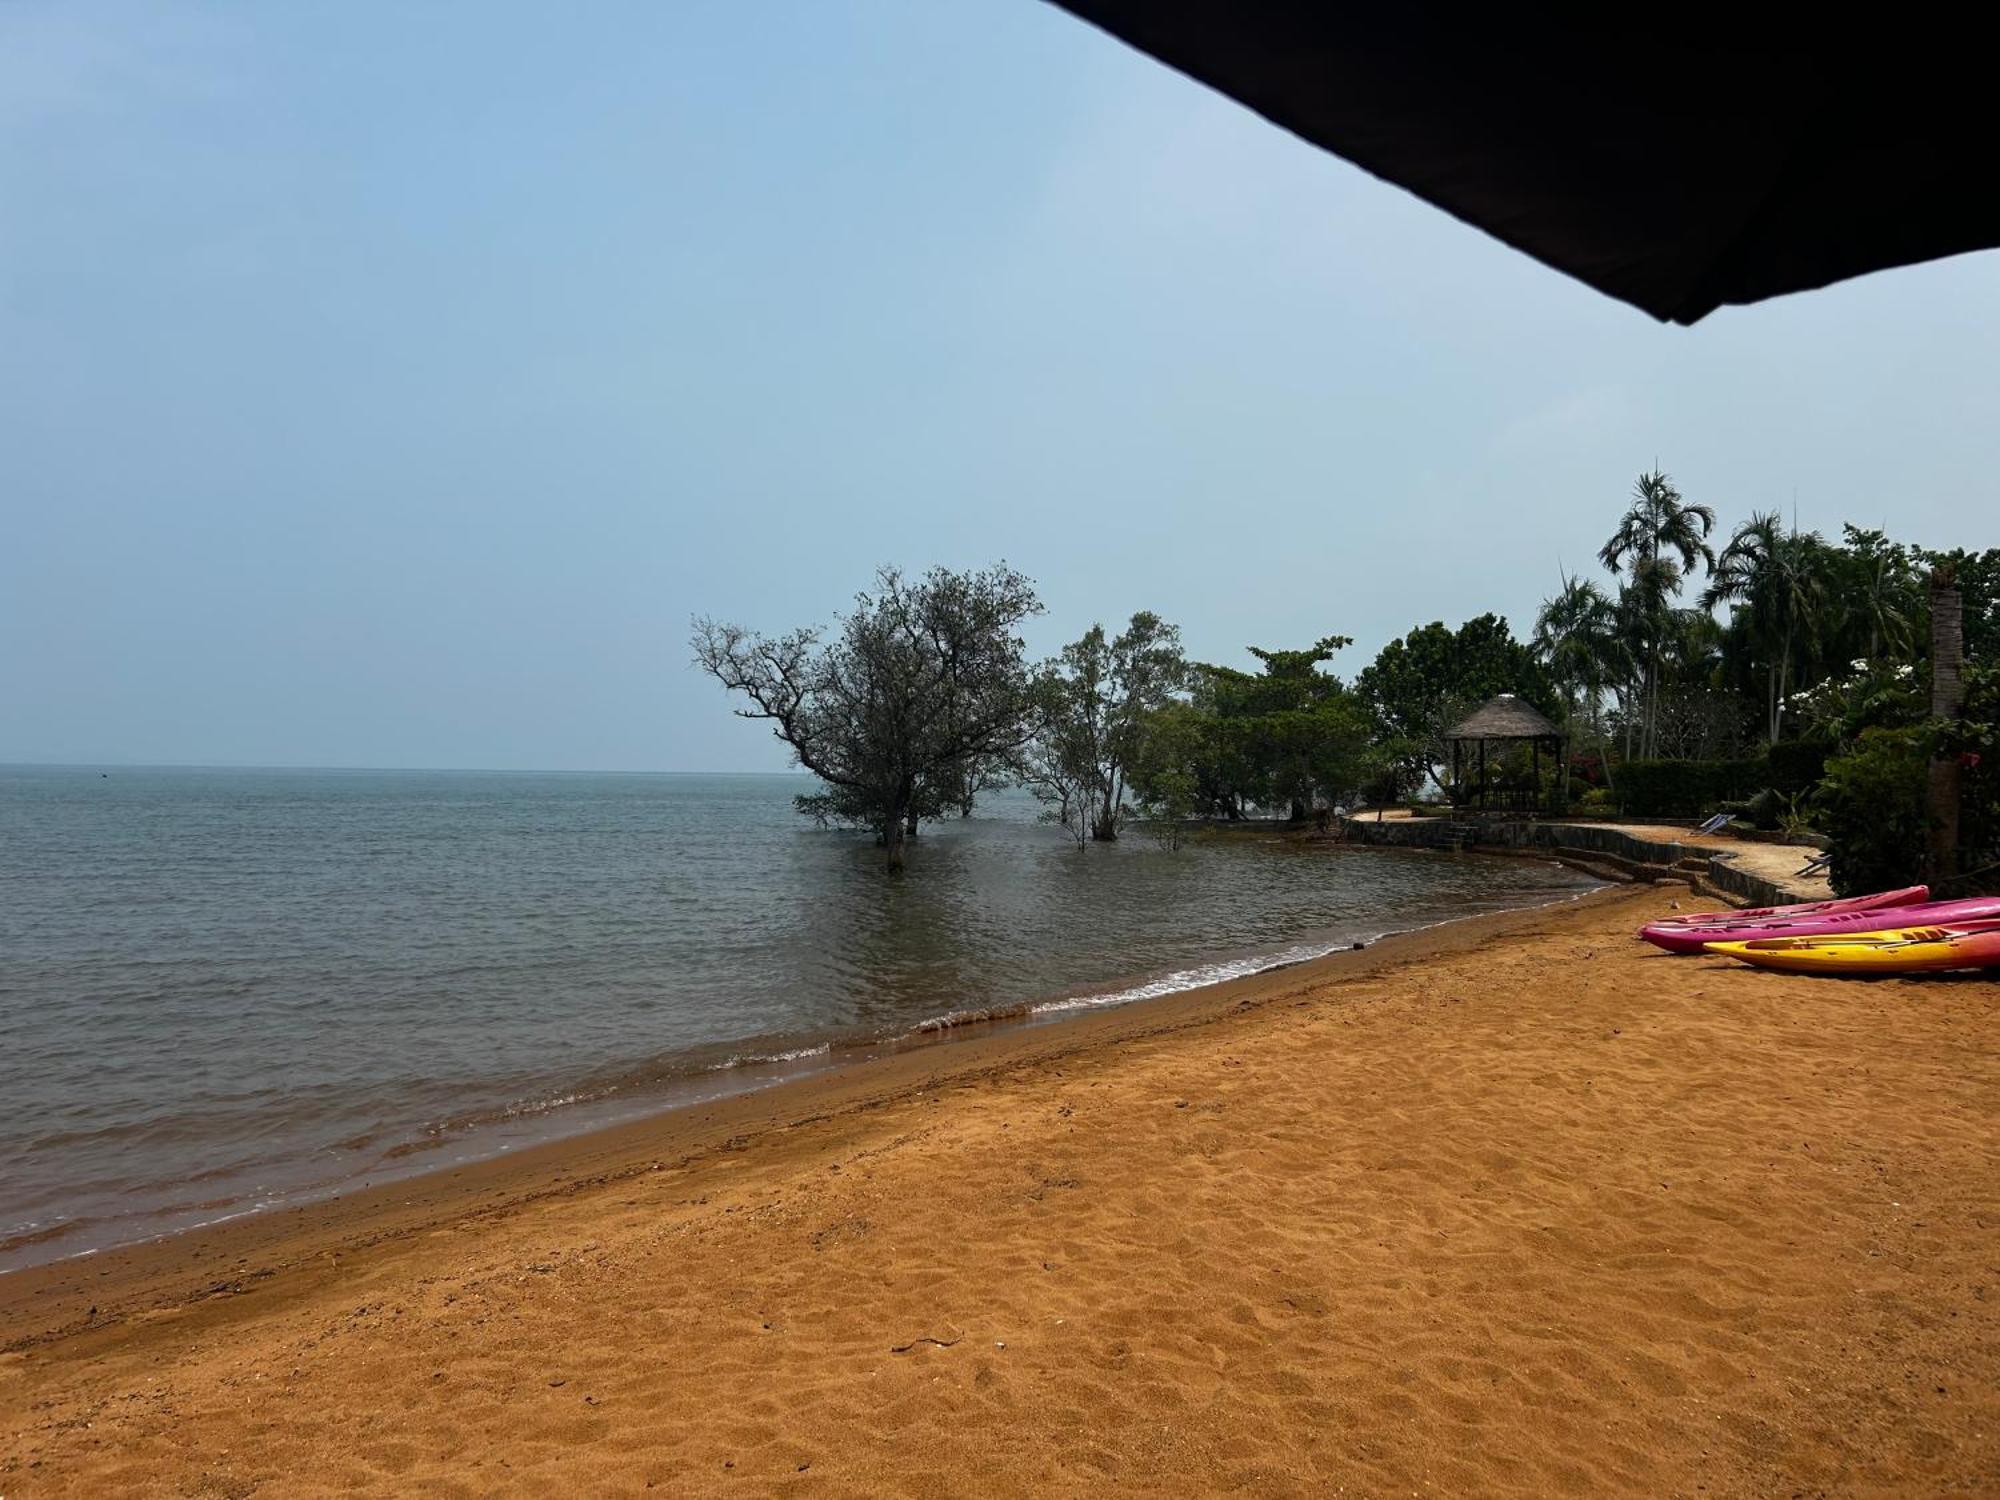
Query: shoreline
(88, 1291)
(1514, 1206)
(747, 1065)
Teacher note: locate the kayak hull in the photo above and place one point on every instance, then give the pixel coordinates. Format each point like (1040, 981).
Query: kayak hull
(1910, 950)
(1909, 895)
(1928, 914)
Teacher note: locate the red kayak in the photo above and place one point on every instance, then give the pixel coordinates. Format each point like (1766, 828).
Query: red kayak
(1876, 919)
(1909, 895)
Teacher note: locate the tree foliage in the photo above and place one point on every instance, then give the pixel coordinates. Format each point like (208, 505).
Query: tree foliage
(1290, 737)
(1871, 808)
(921, 688)
(1421, 685)
(1092, 707)
(1170, 774)
(1871, 804)
(1778, 582)
(1658, 542)
(1802, 662)
(1579, 643)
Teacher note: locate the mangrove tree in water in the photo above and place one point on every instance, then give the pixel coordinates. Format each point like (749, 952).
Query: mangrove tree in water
(1092, 706)
(922, 688)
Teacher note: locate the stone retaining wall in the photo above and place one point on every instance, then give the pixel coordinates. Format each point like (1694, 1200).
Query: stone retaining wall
(1592, 845)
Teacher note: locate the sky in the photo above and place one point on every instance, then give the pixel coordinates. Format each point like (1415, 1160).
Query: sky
(387, 385)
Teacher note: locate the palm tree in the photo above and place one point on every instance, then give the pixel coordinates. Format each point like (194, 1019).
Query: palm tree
(1886, 601)
(1775, 576)
(1632, 627)
(1577, 638)
(1659, 538)
(1693, 718)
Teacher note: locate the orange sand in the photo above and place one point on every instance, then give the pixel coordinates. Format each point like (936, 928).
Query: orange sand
(1522, 1208)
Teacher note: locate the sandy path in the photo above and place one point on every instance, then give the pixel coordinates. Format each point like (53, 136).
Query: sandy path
(1778, 863)
(1551, 1216)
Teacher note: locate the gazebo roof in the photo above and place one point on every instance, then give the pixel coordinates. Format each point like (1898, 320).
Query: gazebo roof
(1504, 718)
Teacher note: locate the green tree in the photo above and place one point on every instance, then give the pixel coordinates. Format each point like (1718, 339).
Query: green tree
(1777, 581)
(1659, 540)
(1876, 600)
(1175, 754)
(1092, 704)
(1578, 641)
(1289, 734)
(922, 686)
(1421, 685)
(1978, 575)
(1696, 714)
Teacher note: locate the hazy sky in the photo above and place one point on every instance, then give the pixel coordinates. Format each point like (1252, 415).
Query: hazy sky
(386, 385)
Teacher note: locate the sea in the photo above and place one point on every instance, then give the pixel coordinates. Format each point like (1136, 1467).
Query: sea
(225, 990)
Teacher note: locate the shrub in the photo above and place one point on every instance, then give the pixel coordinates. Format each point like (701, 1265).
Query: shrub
(1598, 800)
(1687, 788)
(1765, 810)
(1586, 769)
(1871, 806)
(1973, 740)
(1797, 766)
(1874, 807)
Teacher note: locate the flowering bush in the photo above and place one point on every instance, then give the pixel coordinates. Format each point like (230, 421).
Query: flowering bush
(1868, 695)
(1873, 802)
(1871, 808)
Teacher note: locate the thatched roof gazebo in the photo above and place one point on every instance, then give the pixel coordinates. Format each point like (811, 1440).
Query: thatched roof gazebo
(1505, 721)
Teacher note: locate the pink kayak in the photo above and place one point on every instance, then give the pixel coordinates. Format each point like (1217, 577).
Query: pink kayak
(1876, 919)
(1909, 895)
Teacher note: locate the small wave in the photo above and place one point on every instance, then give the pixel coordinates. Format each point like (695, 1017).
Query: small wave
(953, 1019)
(543, 1106)
(1242, 968)
(240, 1213)
(770, 1059)
(1173, 983)
(23, 1236)
(403, 1149)
(1195, 978)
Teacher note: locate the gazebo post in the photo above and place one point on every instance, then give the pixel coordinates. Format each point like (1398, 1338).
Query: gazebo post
(1535, 755)
(1482, 776)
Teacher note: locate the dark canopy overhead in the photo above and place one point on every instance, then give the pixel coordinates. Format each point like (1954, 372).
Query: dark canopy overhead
(1678, 164)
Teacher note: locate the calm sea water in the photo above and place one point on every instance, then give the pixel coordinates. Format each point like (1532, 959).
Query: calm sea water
(222, 990)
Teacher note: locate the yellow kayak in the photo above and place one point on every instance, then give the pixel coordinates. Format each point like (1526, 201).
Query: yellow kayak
(1899, 950)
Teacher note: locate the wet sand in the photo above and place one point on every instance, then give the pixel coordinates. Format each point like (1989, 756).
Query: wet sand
(1511, 1207)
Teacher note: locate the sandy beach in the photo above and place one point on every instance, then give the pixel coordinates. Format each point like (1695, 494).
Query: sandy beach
(1514, 1207)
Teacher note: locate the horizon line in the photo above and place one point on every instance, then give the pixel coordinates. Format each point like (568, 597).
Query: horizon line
(192, 765)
